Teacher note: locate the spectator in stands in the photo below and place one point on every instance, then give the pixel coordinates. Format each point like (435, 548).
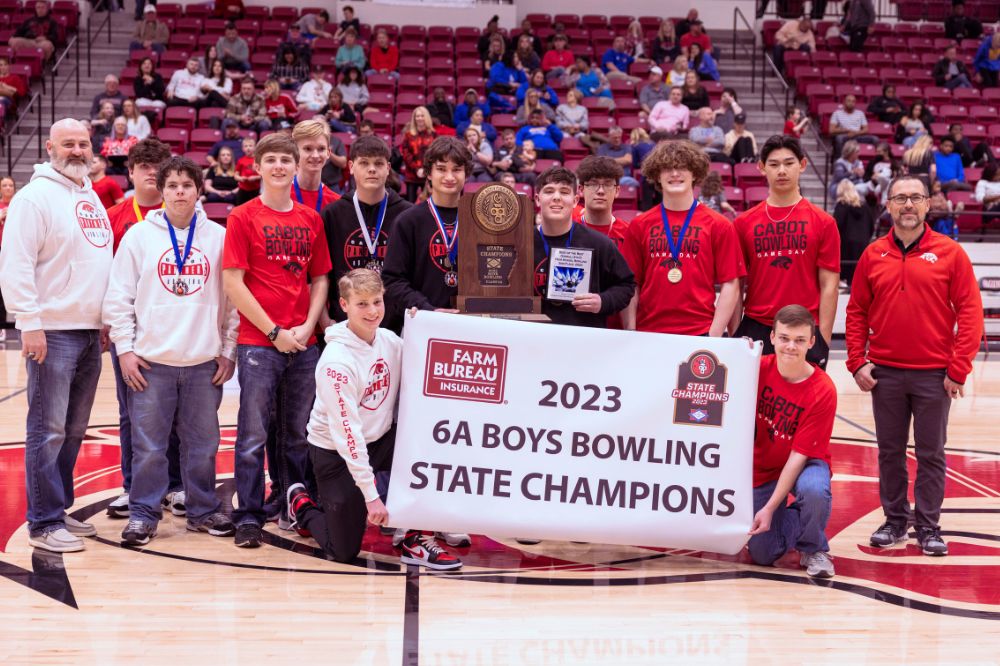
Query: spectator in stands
(616, 61)
(678, 72)
(495, 51)
(794, 35)
(290, 72)
(859, 18)
(979, 154)
(39, 31)
(340, 116)
(356, 95)
(988, 191)
(100, 125)
(231, 141)
(849, 122)
(12, 87)
(694, 94)
(635, 41)
(713, 195)
(442, 110)
(233, 50)
(150, 33)
(477, 121)
(247, 108)
(116, 146)
(950, 71)
(987, 61)
(545, 135)
(710, 138)
(526, 31)
(654, 91)
(684, 25)
(350, 22)
(205, 60)
(795, 122)
(230, 10)
(185, 85)
(665, 48)
(948, 164)
(696, 35)
(958, 26)
(670, 117)
(383, 56)
(218, 87)
(590, 81)
(280, 107)
(220, 179)
(491, 30)
(482, 155)
(620, 153)
(315, 92)
(508, 159)
(314, 25)
(849, 167)
(350, 53)
(150, 90)
(557, 60)
(332, 174)
(247, 178)
(417, 136)
(297, 42)
(856, 224)
(533, 101)
(111, 93)
(573, 118)
(642, 145)
(526, 53)
(107, 189)
(918, 161)
(740, 144)
(536, 81)
(138, 124)
(529, 156)
(464, 110)
(887, 107)
(912, 126)
(505, 78)
(703, 64)
(729, 108)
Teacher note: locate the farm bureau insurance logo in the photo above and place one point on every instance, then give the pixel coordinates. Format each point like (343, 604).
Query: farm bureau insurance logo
(93, 223)
(465, 371)
(700, 396)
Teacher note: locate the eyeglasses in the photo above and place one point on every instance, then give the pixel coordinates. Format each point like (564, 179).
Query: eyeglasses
(901, 199)
(600, 184)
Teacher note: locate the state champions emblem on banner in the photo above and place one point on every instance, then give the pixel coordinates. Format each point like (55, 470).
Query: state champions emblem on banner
(700, 396)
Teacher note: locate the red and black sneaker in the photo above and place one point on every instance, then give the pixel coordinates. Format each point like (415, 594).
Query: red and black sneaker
(423, 550)
(298, 499)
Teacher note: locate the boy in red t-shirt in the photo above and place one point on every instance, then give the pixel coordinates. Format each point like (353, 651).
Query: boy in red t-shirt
(796, 403)
(599, 178)
(680, 250)
(247, 178)
(274, 270)
(313, 139)
(792, 252)
(107, 189)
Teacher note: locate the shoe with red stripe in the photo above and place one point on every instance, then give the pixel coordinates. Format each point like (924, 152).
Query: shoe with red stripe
(298, 500)
(422, 550)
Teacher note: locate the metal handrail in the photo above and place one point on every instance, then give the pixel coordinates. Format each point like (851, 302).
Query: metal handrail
(92, 36)
(75, 73)
(751, 51)
(34, 103)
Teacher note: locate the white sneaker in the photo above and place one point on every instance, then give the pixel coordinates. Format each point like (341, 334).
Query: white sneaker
(454, 539)
(119, 508)
(174, 502)
(818, 564)
(398, 536)
(78, 528)
(57, 541)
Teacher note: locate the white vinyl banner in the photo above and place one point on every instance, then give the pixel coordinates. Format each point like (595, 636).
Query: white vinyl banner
(535, 430)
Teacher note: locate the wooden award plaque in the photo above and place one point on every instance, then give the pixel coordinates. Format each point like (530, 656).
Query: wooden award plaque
(496, 254)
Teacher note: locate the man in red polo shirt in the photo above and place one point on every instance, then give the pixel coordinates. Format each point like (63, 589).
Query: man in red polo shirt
(680, 250)
(911, 289)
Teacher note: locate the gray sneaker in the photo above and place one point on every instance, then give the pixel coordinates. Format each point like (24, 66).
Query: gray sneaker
(454, 539)
(217, 524)
(57, 541)
(78, 528)
(931, 542)
(888, 535)
(818, 564)
(175, 503)
(138, 533)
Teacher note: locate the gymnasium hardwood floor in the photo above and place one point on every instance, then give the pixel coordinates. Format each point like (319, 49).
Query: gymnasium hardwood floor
(190, 598)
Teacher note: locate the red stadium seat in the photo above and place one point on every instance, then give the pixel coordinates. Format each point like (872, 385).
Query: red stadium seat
(199, 157)
(724, 170)
(284, 13)
(175, 137)
(204, 139)
(970, 219)
(747, 176)
(218, 212)
(755, 195)
(966, 95)
(736, 197)
(180, 116)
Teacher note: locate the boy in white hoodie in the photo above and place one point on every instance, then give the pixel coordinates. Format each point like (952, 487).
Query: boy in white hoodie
(54, 269)
(351, 433)
(175, 334)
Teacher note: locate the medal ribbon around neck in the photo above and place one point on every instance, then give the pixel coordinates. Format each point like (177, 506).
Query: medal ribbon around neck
(371, 242)
(545, 241)
(450, 243)
(675, 248)
(187, 245)
(298, 194)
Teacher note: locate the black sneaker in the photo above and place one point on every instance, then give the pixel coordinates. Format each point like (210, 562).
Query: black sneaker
(217, 524)
(424, 551)
(888, 535)
(931, 542)
(138, 533)
(248, 535)
(298, 501)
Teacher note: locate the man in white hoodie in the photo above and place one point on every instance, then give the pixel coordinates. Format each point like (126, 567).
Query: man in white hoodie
(351, 433)
(54, 269)
(175, 334)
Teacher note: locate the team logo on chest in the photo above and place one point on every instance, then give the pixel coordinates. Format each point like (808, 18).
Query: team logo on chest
(357, 255)
(93, 223)
(379, 381)
(929, 257)
(190, 280)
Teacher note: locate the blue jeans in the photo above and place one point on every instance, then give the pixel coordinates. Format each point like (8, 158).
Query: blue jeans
(187, 398)
(272, 386)
(122, 392)
(800, 525)
(60, 394)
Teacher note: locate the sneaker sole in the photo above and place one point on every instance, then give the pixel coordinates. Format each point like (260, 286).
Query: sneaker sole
(56, 549)
(92, 531)
(138, 542)
(821, 574)
(887, 545)
(212, 531)
(931, 553)
(406, 559)
(117, 513)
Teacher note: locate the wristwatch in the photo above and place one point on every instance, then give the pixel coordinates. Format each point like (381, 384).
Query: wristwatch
(273, 335)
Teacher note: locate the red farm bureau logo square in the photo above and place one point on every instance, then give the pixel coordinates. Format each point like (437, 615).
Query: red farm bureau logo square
(465, 371)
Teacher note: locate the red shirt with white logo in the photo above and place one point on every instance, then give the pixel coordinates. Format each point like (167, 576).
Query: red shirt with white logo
(122, 217)
(791, 417)
(709, 255)
(783, 248)
(278, 251)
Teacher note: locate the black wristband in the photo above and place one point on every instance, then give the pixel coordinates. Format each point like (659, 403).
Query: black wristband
(273, 335)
